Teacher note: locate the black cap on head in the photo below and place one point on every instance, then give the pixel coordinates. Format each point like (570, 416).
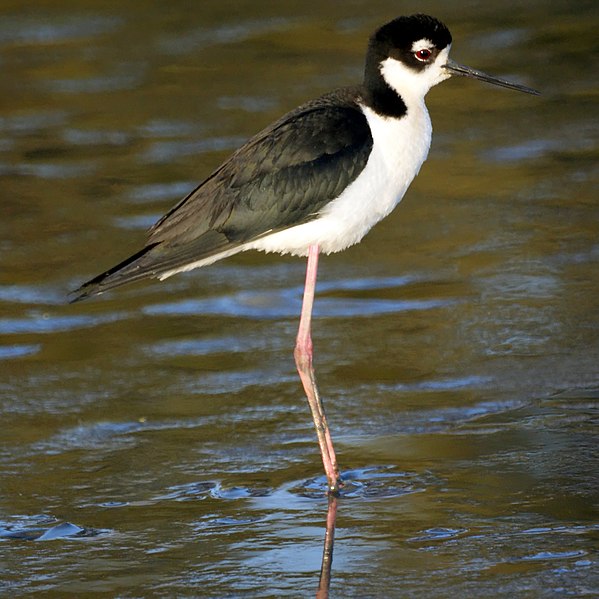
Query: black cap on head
(401, 33)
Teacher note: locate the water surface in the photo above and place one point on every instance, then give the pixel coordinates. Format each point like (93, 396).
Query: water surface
(155, 441)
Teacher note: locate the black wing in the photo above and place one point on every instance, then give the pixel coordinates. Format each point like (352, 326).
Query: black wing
(280, 178)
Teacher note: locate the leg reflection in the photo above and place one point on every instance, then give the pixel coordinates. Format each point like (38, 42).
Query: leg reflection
(327, 553)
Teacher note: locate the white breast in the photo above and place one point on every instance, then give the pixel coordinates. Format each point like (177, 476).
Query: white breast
(400, 146)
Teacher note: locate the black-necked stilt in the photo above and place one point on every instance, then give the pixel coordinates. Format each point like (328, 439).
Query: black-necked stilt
(316, 180)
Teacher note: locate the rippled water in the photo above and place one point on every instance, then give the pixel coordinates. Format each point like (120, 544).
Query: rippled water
(156, 442)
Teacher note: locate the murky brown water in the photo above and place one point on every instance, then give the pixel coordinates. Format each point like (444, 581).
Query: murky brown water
(457, 346)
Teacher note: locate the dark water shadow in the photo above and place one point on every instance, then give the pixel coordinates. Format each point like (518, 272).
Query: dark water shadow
(40, 528)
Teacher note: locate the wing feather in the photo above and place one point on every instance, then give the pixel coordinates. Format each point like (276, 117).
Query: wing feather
(281, 177)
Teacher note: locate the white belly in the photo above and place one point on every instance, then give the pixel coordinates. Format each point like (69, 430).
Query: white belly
(399, 149)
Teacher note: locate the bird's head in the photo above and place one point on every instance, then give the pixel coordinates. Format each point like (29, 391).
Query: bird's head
(411, 54)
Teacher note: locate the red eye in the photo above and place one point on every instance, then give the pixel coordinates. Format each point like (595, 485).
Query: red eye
(423, 54)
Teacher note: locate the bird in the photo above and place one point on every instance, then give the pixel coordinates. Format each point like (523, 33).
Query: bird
(313, 182)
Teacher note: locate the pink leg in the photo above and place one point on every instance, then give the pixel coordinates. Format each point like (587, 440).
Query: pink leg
(303, 361)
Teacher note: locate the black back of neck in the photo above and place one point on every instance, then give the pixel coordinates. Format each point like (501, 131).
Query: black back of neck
(381, 98)
(378, 95)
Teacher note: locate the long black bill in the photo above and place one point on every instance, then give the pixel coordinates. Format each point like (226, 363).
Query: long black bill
(457, 69)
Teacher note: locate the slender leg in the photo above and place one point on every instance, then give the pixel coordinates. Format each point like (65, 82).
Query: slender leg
(303, 361)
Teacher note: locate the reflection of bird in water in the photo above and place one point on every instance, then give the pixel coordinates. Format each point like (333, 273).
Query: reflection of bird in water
(317, 180)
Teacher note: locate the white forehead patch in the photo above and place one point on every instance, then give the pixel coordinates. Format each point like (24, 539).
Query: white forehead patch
(422, 44)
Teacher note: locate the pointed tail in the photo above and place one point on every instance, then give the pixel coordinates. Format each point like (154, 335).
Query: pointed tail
(160, 260)
(134, 268)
